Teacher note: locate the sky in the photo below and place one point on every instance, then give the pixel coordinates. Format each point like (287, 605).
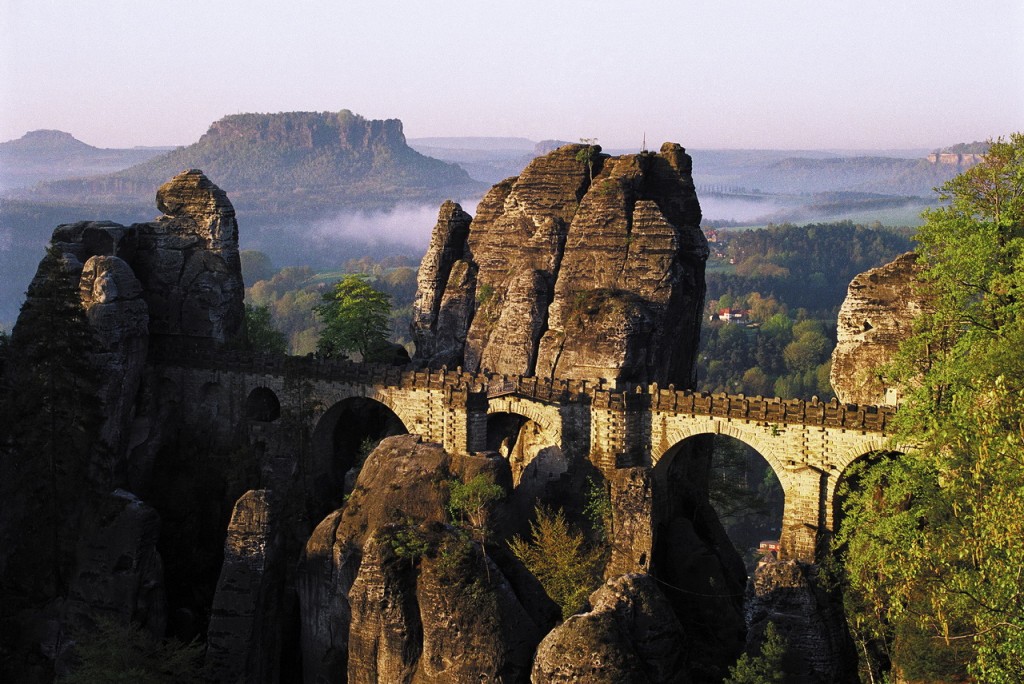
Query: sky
(795, 74)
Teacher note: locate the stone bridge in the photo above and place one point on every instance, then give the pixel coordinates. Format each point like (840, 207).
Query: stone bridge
(808, 445)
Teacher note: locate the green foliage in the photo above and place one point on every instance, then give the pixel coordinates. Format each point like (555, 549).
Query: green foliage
(355, 317)
(934, 539)
(559, 558)
(470, 502)
(116, 652)
(262, 334)
(408, 541)
(256, 266)
(587, 153)
(764, 668)
(790, 282)
(598, 508)
(484, 293)
(745, 494)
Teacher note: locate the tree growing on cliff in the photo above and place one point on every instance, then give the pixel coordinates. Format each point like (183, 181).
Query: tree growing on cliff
(355, 317)
(559, 558)
(934, 539)
(263, 336)
(470, 504)
(587, 153)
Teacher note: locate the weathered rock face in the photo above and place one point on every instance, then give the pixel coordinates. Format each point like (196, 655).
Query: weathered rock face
(787, 594)
(629, 635)
(373, 613)
(188, 262)
(242, 644)
(444, 263)
(875, 318)
(112, 299)
(179, 275)
(119, 572)
(567, 274)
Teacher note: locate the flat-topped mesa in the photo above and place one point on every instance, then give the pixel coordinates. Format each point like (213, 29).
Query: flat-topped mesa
(582, 267)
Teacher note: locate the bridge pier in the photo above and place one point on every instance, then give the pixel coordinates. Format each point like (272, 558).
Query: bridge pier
(465, 421)
(805, 515)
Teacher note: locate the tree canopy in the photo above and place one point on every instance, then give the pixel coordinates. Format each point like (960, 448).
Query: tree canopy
(355, 317)
(934, 539)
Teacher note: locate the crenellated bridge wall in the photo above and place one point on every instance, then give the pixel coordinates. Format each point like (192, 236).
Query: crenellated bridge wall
(808, 444)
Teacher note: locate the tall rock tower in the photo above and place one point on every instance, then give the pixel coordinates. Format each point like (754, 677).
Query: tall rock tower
(585, 266)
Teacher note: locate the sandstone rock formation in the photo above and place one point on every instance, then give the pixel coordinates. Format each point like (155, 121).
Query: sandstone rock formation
(572, 270)
(119, 572)
(186, 262)
(112, 299)
(372, 613)
(875, 318)
(178, 276)
(629, 635)
(789, 594)
(241, 642)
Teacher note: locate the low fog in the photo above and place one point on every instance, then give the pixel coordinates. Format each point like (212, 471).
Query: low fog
(407, 226)
(719, 208)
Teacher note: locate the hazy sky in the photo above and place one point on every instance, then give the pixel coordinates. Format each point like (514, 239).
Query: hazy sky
(705, 73)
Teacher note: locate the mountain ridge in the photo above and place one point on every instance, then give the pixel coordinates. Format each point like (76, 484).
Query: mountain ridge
(318, 160)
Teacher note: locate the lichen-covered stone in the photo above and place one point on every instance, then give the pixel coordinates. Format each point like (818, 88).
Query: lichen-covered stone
(576, 271)
(875, 318)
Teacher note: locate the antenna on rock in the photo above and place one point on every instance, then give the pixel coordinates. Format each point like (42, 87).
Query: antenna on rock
(643, 147)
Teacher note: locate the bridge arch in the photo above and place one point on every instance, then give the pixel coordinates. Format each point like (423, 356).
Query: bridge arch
(759, 439)
(529, 436)
(342, 436)
(262, 405)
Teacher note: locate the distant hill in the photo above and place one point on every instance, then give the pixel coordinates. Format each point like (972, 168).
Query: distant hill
(488, 160)
(48, 155)
(294, 163)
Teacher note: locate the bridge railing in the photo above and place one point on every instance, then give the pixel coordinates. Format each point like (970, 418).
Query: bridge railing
(601, 393)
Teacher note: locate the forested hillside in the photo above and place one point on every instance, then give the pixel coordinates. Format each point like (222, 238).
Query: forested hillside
(779, 290)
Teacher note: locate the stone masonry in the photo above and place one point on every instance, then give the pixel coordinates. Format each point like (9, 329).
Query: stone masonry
(808, 444)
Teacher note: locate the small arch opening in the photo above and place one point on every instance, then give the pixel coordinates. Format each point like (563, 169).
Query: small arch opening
(262, 406)
(530, 453)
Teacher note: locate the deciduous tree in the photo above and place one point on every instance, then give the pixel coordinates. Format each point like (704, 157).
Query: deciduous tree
(355, 317)
(934, 539)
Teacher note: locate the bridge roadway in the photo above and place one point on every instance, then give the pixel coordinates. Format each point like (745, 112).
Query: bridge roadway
(808, 444)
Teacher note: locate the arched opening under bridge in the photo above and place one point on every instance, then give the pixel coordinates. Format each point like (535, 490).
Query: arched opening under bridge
(343, 438)
(262, 406)
(532, 456)
(715, 500)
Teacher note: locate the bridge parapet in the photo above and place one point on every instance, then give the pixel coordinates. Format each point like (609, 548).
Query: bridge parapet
(773, 409)
(547, 390)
